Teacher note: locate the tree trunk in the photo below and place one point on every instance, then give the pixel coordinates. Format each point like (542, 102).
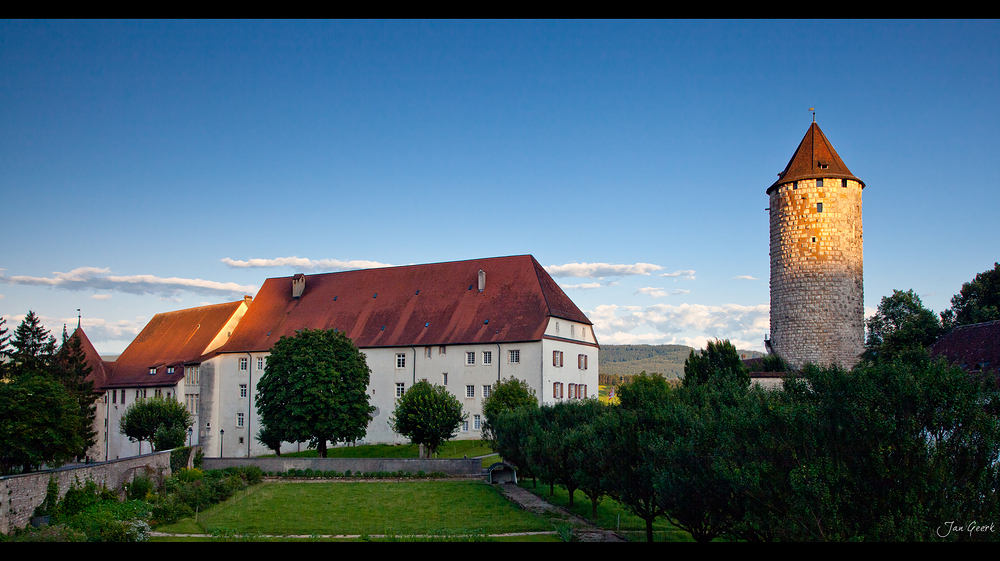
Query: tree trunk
(649, 530)
(321, 448)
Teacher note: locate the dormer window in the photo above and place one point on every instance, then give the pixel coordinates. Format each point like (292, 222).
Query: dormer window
(170, 370)
(152, 370)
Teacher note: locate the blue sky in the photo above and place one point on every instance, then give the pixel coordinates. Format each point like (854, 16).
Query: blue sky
(154, 166)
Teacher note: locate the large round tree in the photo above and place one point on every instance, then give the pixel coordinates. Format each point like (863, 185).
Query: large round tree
(314, 389)
(427, 415)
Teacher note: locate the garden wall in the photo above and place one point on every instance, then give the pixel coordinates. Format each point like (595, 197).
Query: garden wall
(20, 494)
(461, 466)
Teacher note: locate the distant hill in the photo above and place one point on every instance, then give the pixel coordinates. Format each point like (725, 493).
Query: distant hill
(629, 360)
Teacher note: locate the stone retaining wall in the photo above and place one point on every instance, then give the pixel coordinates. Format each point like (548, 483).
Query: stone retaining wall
(460, 466)
(20, 494)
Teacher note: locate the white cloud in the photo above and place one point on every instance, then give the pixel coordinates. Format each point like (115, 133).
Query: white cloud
(304, 264)
(683, 324)
(583, 286)
(101, 296)
(94, 278)
(745, 277)
(600, 270)
(683, 273)
(660, 292)
(97, 329)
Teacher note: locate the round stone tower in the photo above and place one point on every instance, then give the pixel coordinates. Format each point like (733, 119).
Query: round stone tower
(817, 294)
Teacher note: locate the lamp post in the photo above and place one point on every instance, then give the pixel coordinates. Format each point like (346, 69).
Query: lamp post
(190, 435)
(222, 441)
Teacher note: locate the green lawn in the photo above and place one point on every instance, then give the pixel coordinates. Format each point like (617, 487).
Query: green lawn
(444, 508)
(610, 515)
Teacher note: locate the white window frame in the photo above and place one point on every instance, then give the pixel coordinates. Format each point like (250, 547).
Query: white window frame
(243, 391)
(465, 426)
(260, 363)
(244, 364)
(557, 359)
(444, 377)
(470, 391)
(514, 356)
(470, 358)
(239, 419)
(477, 422)
(487, 390)
(400, 360)
(400, 389)
(487, 357)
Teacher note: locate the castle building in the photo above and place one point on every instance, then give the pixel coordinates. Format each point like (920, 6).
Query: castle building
(817, 292)
(465, 325)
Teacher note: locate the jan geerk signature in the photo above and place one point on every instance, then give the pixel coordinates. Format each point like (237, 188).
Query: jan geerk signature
(948, 528)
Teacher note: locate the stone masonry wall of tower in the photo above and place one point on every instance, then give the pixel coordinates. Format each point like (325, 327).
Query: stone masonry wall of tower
(817, 294)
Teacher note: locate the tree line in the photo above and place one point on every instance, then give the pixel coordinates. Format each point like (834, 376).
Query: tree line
(889, 451)
(47, 406)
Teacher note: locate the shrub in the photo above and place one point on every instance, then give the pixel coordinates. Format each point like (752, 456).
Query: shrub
(179, 458)
(189, 475)
(141, 486)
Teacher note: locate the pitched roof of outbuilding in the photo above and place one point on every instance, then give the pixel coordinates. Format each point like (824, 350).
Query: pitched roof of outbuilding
(431, 304)
(169, 339)
(814, 152)
(98, 373)
(974, 347)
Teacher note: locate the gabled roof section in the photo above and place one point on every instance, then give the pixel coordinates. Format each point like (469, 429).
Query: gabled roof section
(974, 347)
(98, 373)
(414, 305)
(814, 152)
(172, 339)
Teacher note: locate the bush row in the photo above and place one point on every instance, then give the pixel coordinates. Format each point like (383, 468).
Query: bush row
(320, 474)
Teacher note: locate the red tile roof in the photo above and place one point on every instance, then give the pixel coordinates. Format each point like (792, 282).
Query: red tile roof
(432, 304)
(169, 339)
(974, 347)
(98, 373)
(813, 152)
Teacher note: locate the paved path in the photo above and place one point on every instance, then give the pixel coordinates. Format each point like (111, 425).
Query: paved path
(583, 530)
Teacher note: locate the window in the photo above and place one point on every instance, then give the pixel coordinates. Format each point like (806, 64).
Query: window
(557, 327)
(260, 363)
(476, 422)
(239, 419)
(191, 375)
(444, 378)
(243, 364)
(582, 390)
(441, 350)
(572, 331)
(157, 392)
(465, 426)
(470, 358)
(400, 360)
(191, 401)
(819, 207)
(514, 356)
(486, 391)
(114, 396)
(123, 397)
(557, 358)
(400, 389)
(572, 391)
(470, 391)
(843, 183)
(427, 352)
(795, 185)
(243, 390)
(581, 362)
(170, 370)
(487, 357)
(819, 182)
(152, 370)
(557, 390)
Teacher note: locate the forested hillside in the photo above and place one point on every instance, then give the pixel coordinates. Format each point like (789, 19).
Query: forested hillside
(628, 360)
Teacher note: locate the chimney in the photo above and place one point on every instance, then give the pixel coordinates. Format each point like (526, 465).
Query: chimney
(298, 285)
(247, 298)
(482, 280)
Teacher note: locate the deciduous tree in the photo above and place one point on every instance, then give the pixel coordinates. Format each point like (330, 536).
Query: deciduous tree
(161, 421)
(314, 389)
(720, 359)
(507, 395)
(427, 415)
(978, 301)
(902, 328)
